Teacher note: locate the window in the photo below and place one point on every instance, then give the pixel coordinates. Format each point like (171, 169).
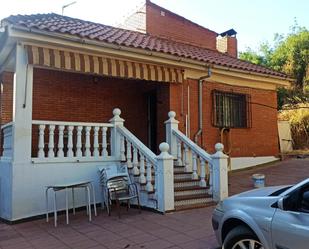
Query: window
(231, 110)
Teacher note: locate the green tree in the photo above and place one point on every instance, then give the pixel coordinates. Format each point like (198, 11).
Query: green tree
(289, 54)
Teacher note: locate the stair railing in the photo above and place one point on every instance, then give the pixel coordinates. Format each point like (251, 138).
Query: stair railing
(211, 170)
(142, 163)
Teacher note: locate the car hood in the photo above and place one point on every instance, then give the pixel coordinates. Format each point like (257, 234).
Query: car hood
(260, 192)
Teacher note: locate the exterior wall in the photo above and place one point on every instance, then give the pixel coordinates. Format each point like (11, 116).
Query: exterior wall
(6, 97)
(264, 119)
(172, 26)
(62, 96)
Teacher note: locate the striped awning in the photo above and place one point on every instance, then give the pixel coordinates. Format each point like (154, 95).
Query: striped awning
(85, 63)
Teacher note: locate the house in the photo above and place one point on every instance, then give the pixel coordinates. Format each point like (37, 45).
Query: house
(65, 80)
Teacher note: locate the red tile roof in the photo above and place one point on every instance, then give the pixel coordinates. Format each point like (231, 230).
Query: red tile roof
(55, 23)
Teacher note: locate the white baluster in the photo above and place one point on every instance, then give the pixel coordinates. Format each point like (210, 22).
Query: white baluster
(149, 186)
(179, 161)
(104, 142)
(87, 143)
(210, 178)
(142, 178)
(203, 172)
(41, 153)
(129, 155)
(96, 141)
(122, 149)
(194, 166)
(60, 141)
(79, 152)
(70, 141)
(186, 158)
(135, 162)
(51, 143)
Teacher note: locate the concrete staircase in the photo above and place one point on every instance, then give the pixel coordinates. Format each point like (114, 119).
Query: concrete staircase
(188, 194)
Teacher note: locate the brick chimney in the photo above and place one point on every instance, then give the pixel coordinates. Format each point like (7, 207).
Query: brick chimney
(227, 43)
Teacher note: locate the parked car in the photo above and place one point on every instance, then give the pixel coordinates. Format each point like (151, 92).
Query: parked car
(266, 218)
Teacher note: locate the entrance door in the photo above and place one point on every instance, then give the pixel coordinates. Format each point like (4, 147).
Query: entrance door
(152, 120)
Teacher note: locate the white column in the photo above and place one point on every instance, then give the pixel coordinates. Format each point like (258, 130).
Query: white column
(186, 158)
(129, 155)
(41, 153)
(203, 172)
(149, 186)
(194, 166)
(22, 108)
(87, 143)
(96, 141)
(115, 136)
(170, 125)
(51, 143)
(79, 152)
(142, 178)
(60, 141)
(104, 142)
(70, 141)
(122, 149)
(179, 156)
(135, 162)
(220, 173)
(165, 179)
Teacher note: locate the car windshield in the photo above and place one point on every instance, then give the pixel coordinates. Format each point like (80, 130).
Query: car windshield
(278, 192)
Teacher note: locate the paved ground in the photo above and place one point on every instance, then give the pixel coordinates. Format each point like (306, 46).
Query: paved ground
(187, 229)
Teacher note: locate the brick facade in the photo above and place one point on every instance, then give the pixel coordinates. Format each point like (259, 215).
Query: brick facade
(263, 132)
(66, 96)
(6, 97)
(163, 23)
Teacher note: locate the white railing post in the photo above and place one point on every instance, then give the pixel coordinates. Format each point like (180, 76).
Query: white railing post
(51, 143)
(219, 174)
(203, 172)
(115, 136)
(79, 152)
(170, 125)
(70, 141)
(129, 155)
(87, 143)
(142, 178)
(60, 153)
(41, 153)
(96, 152)
(165, 179)
(104, 142)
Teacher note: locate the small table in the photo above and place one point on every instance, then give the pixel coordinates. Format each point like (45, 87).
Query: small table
(88, 189)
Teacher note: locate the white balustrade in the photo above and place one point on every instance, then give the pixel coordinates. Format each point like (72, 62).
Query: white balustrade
(129, 155)
(142, 178)
(41, 153)
(96, 141)
(65, 140)
(186, 158)
(203, 172)
(135, 162)
(179, 161)
(149, 186)
(60, 141)
(194, 166)
(122, 149)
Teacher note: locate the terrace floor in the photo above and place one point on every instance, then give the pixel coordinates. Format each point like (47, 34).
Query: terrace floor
(187, 229)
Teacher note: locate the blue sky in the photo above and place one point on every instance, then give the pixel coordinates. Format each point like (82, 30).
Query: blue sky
(255, 21)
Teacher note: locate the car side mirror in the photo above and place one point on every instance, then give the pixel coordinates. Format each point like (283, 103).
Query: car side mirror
(280, 203)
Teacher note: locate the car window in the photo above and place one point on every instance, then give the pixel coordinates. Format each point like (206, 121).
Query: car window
(304, 202)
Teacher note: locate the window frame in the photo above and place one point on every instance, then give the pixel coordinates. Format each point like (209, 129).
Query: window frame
(247, 106)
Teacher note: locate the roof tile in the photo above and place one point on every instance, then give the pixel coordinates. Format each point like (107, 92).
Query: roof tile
(94, 31)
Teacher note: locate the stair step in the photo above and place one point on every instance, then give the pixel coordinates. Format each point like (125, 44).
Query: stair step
(193, 200)
(178, 183)
(192, 190)
(195, 206)
(191, 197)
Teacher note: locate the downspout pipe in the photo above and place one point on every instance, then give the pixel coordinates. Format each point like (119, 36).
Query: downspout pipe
(200, 104)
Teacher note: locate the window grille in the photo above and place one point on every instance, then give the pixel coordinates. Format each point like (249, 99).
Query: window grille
(231, 110)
